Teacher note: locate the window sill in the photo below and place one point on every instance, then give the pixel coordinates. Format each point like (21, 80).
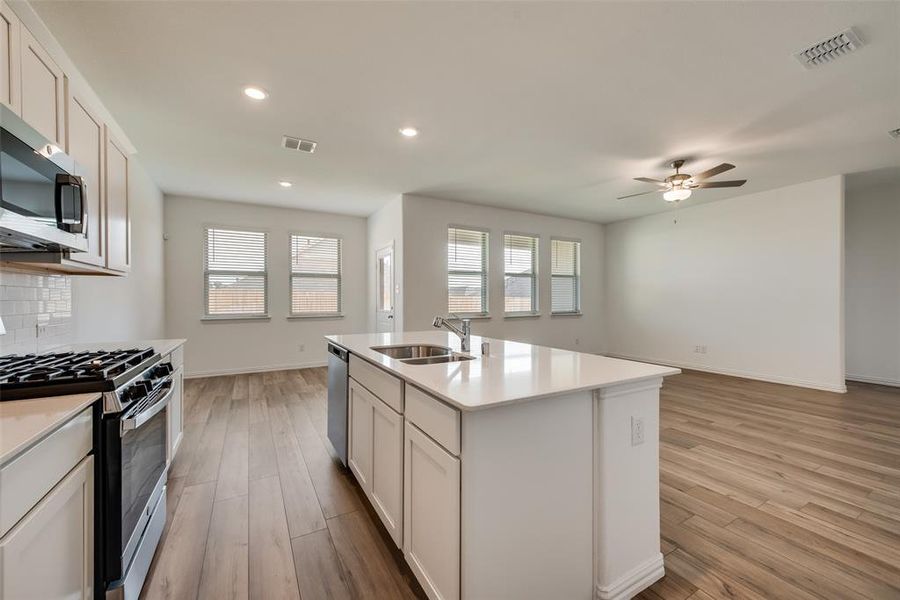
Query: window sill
(232, 318)
(522, 315)
(323, 316)
(566, 314)
(471, 317)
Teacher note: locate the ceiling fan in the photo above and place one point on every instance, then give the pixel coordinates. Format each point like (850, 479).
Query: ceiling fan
(679, 186)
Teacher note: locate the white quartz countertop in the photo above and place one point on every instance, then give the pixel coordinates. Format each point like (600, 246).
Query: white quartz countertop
(163, 347)
(513, 371)
(25, 422)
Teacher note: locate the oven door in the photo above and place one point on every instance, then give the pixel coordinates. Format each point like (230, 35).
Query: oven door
(142, 433)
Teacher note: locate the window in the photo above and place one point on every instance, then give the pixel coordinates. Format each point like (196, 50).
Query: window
(520, 273)
(235, 273)
(467, 277)
(566, 277)
(315, 276)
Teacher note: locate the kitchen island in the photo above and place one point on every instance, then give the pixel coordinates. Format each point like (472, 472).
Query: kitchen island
(529, 472)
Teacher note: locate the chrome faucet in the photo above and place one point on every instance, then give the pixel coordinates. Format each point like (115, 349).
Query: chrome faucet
(464, 331)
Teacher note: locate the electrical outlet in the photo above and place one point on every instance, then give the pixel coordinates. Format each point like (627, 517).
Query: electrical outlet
(700, 349)
(302, 347)
(637, 431)
(577, 341)
(40, 330)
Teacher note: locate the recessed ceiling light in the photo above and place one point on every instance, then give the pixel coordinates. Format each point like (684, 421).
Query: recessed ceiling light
(409, 132)
(255, 93)
(285, 184)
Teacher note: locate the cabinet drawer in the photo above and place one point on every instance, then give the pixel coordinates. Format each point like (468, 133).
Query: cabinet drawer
(438, 420)
(387, 387)
(26, 480)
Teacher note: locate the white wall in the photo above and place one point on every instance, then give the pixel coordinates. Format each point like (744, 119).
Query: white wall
(385, 227)
(243, 346)
(425, 222)
(756, 279)
(131, 307)
(873, 283)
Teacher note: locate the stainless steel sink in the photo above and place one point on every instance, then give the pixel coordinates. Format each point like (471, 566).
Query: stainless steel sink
(435, 360)
(413, 351)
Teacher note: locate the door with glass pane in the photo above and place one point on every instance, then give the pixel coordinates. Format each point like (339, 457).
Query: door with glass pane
(384, 290)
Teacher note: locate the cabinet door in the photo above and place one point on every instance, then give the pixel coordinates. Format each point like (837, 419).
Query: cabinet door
(431, 514)
(10, 59)
(175, 415)
(387, 468)
(85, 145)
(118, 226)
(50, 552)
(359, 438)
(43, 91)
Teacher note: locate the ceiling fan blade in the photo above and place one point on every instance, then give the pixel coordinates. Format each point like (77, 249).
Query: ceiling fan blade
(720, 184)
(712, 172)
(638, 194)
(648, 180)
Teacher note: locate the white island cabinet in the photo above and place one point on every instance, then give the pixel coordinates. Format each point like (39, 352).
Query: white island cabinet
(523, 473)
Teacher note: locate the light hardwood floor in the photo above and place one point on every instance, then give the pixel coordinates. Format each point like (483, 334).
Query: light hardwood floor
(260, 508)
(770, 491)
(767, 491)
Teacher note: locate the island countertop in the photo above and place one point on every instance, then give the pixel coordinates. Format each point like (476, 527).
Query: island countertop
(512, 372)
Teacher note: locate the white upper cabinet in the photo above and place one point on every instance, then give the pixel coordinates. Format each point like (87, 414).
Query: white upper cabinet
(10, 59)
(85, 145)
(43, 90)
(118, 226)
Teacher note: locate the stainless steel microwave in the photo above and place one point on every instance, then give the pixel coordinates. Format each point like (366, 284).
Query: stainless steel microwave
(42, 196)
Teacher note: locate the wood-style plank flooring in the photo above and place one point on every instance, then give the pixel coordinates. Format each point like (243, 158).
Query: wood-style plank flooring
(771, 491)
(259, 506)
(767, 491)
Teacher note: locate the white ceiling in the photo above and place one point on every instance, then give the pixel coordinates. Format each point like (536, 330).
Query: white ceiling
(549, 107)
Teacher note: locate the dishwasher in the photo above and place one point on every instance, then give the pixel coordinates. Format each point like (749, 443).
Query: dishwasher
(337, 400)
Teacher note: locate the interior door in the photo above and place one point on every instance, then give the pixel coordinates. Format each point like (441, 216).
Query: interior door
(384, 290)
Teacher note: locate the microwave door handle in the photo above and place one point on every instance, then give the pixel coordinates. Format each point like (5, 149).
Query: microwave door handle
(135, 421)
(75, 182)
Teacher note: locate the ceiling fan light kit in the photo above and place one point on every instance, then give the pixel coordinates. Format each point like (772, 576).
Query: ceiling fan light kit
(677, 195)
(679, 186)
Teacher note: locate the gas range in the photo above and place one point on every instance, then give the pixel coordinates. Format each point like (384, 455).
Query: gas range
(57, 374)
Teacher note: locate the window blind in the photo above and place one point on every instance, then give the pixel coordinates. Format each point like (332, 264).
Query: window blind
(315, 275)
(565, 276)
(520, 273)
(235, 273)
(467, 271)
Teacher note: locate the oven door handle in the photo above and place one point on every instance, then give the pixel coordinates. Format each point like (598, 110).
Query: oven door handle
(135, 421)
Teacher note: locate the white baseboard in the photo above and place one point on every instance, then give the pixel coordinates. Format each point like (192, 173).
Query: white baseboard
(875, 380)
(633, 582)
(247, 370)
(841, 389)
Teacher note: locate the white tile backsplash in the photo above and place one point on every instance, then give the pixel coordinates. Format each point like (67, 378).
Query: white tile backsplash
(36, 312)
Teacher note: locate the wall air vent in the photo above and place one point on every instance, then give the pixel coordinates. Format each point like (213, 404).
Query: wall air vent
(829, 49)
(294, 143)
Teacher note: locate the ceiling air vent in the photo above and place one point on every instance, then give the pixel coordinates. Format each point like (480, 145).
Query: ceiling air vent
(829, 49)
(294, 143)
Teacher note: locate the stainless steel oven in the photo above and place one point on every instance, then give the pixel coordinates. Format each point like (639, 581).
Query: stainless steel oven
(42, 196)
(134, 479)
